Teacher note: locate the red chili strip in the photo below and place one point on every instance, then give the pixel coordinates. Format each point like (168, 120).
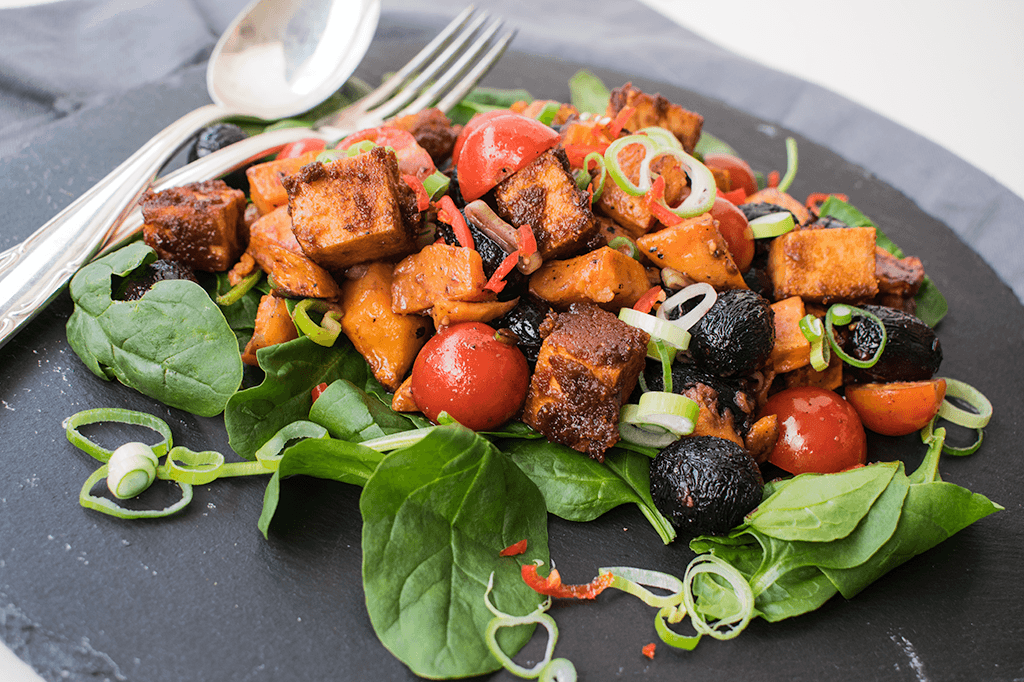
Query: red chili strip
(735, 196)
(422, 198)
(620, 120)
(649, 650)
(497, 281)
(816, 199)
(514, 549)
(318, 391)
(656, 204)
(449, 214)
(576, 153)
(650, 297)
(552, 585)
(527, 241)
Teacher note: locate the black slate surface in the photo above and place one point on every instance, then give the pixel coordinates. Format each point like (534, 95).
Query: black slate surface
(202, 596)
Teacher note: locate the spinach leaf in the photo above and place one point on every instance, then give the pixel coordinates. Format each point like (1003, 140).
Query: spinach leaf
(292, 370)
(435, 517)
(173, 344)
(931, 304)
(577, 488)
(352, 414)
(587, 93)
(486, 99)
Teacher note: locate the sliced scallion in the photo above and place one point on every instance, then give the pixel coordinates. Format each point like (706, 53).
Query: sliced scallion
(814, 331)
(111, 508)
(676, 300)
(657, 328)
(671, 411)
(772, 225)
(982, 408)
(115, 415)
(236, 292)
(736, 622)
(327, 331)
(504, 620)
(791, 165)
(598, 158)
(843, 314)
(632, 430)
(436, 184)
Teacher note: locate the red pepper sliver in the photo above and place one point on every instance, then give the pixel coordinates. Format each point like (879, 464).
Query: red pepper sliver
(773, 179)
(527, 241)
(422, 198)
(451, 215)
(736, 196)
(497, 281)
(514, 549)
(552, 585)
(650, 297)
(649, 650)
(816, 199)
(576, 153)
(318, 390)
(619, 122)
(655, 199)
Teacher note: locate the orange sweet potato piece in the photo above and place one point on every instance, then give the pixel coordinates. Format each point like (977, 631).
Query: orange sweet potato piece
(402, 400)
(293, 273)
(792, 349)
(655, 110)
(438, 272)
(695, 248)
(606, 277)
(265, 187)
(273, 326)
(446, 312)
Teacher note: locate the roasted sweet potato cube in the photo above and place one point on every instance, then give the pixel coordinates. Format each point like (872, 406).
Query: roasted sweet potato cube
(199, 224)
(711, 421)
(388, 341)
(824, 265)
(586, 369)
(273, 246)
(446, 313)
(439, 272)
(544, 195)
(831, 378)
(353, 210)
(655, 110)
(792, 349)
(605, 277)
(273, 326)
(695, 248)
(265, 187)
(402, 400)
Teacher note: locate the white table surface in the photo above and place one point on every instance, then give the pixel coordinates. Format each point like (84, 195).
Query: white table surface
(952, 72)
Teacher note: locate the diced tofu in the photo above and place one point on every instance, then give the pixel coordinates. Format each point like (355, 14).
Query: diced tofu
(586, 369)
(445, 312)
(273, 326)
(273, 246)
(695, 248)
(353, 210)
(439, 272)
(544, 195)
(824, 265)
(388, 341)
(606, 277)
(655, 110)
(265, 187)
(792, 349)
(199, 224)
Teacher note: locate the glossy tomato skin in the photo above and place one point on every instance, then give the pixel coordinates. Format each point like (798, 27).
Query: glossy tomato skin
(477, 121)
(464, 371)
(819, 432)
(498, 148)
(300, 147)
(741, 175)
(735, 229)
(412, 158)
(897, 408)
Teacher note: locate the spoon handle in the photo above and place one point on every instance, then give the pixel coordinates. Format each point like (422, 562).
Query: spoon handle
(33, 272)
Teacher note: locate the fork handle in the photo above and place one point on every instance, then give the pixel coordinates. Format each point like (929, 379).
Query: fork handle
(33, 272)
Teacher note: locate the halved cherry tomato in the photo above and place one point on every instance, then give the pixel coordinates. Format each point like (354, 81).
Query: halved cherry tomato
(476, 122)
(465, 371)
(412, 158)
(498, 148)
(740, 172)
(735, 229)
(818, 431)
(300, 147)
(897, 408)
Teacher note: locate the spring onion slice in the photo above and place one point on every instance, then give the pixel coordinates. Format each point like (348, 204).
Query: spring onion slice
(663, 136)
(118, 415)
(436, 184)
(236, 292)
(671, 411)
(199, 468)
(633, 430)
(677, 299)
(982, 408)
(325, 333)
(772, 225)
(814, 331)
(332, 155)
(842, 314)
(626, 246)
(709, 563)
(673, 614)
(504, 620)
(667, 355)
(702, 182)
(929, 430)
(131, 469)
(558, 670)
(548, 113)
(111, 508)
(658, 329)
(791, 165)
(597, 158)
(270, 453)
(611, 163)
(633, 580)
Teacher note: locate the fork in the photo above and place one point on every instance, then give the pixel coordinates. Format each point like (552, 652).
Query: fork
(441, 74)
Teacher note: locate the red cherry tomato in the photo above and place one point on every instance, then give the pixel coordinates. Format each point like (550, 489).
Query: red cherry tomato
(818, 431)
(741, 175)
(897, 408)
(465, 371)
(300, 147)
(497, 149)
(477, 121)
(412, 158)
(735, 229)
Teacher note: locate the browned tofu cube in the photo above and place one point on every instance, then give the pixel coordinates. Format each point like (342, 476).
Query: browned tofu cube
(439, 272)
(199, 224)
(695, 248)
(280, 257)
(266, 188)
(544, 196)
(605, 277)
(353, 210)
(655, 110)
(824, 265)
(586, 369)
(388, 341)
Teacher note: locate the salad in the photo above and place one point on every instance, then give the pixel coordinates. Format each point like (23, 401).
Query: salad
(543, 310)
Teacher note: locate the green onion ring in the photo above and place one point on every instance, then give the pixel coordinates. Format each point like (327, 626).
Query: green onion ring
(667, 355)
(611, 163)
(436, 184)
(673, 614)
(236, 292)
(841, 313)
(929, 429)
(195, 468)
(632, 580)
(323, 334)
(703, 189)
(548, 113)
(111, 508)
(791, 165)
(814, 331)
(558, 670)
(120, 416)
(663, 136)
(597, 158)
(633, 430)
(772, 225)
(709, 563)
(503, 620)
(270, 453)
(979, 403)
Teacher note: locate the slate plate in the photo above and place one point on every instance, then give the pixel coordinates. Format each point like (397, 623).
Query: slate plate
(202, 596)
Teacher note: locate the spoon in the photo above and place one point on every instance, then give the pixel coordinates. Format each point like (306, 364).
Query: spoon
(278, 58)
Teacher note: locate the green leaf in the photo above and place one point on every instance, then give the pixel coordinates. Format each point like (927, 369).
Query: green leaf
(588, 93)
(486, 99)
(822, 507)
(435, 517)
(352, 414)
(709, 144)
(173, 344)
(292, 370)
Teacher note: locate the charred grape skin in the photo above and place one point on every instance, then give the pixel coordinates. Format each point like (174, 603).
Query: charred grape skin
(525, 321)
(735, 337)
(705, 485)
(214, 138)
(912, 349)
